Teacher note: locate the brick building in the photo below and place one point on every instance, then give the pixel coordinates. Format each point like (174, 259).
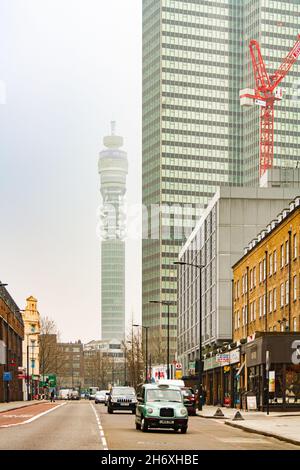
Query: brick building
(11, 336)
(266, 311)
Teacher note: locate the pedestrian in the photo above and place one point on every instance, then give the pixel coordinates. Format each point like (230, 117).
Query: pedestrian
(52, 396)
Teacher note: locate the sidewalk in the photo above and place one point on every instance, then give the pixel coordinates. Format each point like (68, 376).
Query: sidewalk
(281, 425)
(14, 405)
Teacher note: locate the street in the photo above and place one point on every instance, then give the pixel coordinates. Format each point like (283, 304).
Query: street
(85, 426)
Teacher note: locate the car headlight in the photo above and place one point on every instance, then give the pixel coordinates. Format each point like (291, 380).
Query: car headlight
(150, 410)
(183, 411)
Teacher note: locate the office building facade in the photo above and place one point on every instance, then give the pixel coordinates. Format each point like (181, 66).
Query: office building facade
(232, 218)
(196, 137)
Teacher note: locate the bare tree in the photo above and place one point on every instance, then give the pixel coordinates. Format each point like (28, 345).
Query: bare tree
(135, 363)
(50, 359)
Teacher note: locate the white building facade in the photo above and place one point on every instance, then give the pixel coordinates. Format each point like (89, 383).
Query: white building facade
(233, 217)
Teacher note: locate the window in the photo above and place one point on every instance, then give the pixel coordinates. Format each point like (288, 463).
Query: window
(254, 310)
(264, 304)
(264, 268)
(260, 271)
(260, 306)
(295, 246)
(287, 252)
(254, 277)
(294, 324)
(270, 265)
(238, 318)
(274, 261)
(32, 328)
(237, 289)
(251, 312)
(281, 295)
(295, 287)
(274, 299)
(281, 256)
(243, 316)
(287, 292)
(270, 301)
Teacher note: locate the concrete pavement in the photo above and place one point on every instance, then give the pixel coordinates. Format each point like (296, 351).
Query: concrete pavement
(280, 425)
(202, 434)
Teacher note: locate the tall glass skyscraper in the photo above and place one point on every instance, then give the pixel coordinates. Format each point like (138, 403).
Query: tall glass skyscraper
(275, 24)
(113, 168)
(196, 136)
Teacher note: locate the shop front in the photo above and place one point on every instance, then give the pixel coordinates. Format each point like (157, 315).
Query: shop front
(273, 370)
(222, 378)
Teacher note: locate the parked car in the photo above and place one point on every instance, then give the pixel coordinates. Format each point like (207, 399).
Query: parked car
(161, 406)
(121, 398)
(100, 396)
(64, 394)
(189, 400)
(74, 395)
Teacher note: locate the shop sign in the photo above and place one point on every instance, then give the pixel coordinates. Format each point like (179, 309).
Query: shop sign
(192, 367)
(272, 381)
(234, 356)
(2, 352)
(178, 374)
(7, 376)
(223, 358)
(251, 403)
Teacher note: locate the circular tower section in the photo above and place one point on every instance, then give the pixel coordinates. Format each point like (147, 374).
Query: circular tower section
(113, 169)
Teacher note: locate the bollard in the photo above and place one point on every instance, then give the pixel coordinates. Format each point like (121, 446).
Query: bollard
(219, 413)
(238, 417)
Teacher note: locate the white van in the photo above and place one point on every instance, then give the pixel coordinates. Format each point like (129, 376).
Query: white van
(64, 394)
(175, 382)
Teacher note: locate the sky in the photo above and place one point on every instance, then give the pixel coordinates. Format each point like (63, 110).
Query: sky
(67, 68)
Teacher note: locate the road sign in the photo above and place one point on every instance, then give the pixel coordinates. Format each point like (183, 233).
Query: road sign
(7, 376)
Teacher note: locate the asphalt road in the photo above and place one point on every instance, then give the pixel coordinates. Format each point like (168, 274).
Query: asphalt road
(85, 426)
(70, 427)
(202, 434)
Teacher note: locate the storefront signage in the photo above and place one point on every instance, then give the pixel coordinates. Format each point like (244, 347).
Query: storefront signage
(272, 381)
(222, 358)
(2, 352)
(7, 376)
(251, 403)
(192, 367)
(234, 356)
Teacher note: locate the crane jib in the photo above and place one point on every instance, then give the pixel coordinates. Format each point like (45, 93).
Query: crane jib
(296, 52)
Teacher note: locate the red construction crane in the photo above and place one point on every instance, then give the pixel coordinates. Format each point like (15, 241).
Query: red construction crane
(265, 94)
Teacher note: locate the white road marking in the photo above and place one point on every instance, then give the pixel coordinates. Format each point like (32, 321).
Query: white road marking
(33, 418)
(103, 440)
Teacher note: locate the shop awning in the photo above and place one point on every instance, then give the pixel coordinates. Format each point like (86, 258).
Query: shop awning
(240, 369)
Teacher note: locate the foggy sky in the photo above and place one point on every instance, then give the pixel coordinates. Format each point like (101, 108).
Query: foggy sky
(69, 68)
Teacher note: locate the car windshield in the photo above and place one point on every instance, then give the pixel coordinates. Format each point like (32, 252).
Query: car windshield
(187, 392)
(123, 391)
(164, 395)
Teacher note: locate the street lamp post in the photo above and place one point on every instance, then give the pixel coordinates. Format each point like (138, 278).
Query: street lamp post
(146, 367)
(168, 303)
(29, 395)
(200, 385)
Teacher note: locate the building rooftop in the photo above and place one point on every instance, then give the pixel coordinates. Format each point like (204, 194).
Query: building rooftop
(294, 205)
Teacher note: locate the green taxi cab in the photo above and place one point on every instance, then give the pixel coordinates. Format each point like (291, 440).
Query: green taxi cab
(160, 406)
